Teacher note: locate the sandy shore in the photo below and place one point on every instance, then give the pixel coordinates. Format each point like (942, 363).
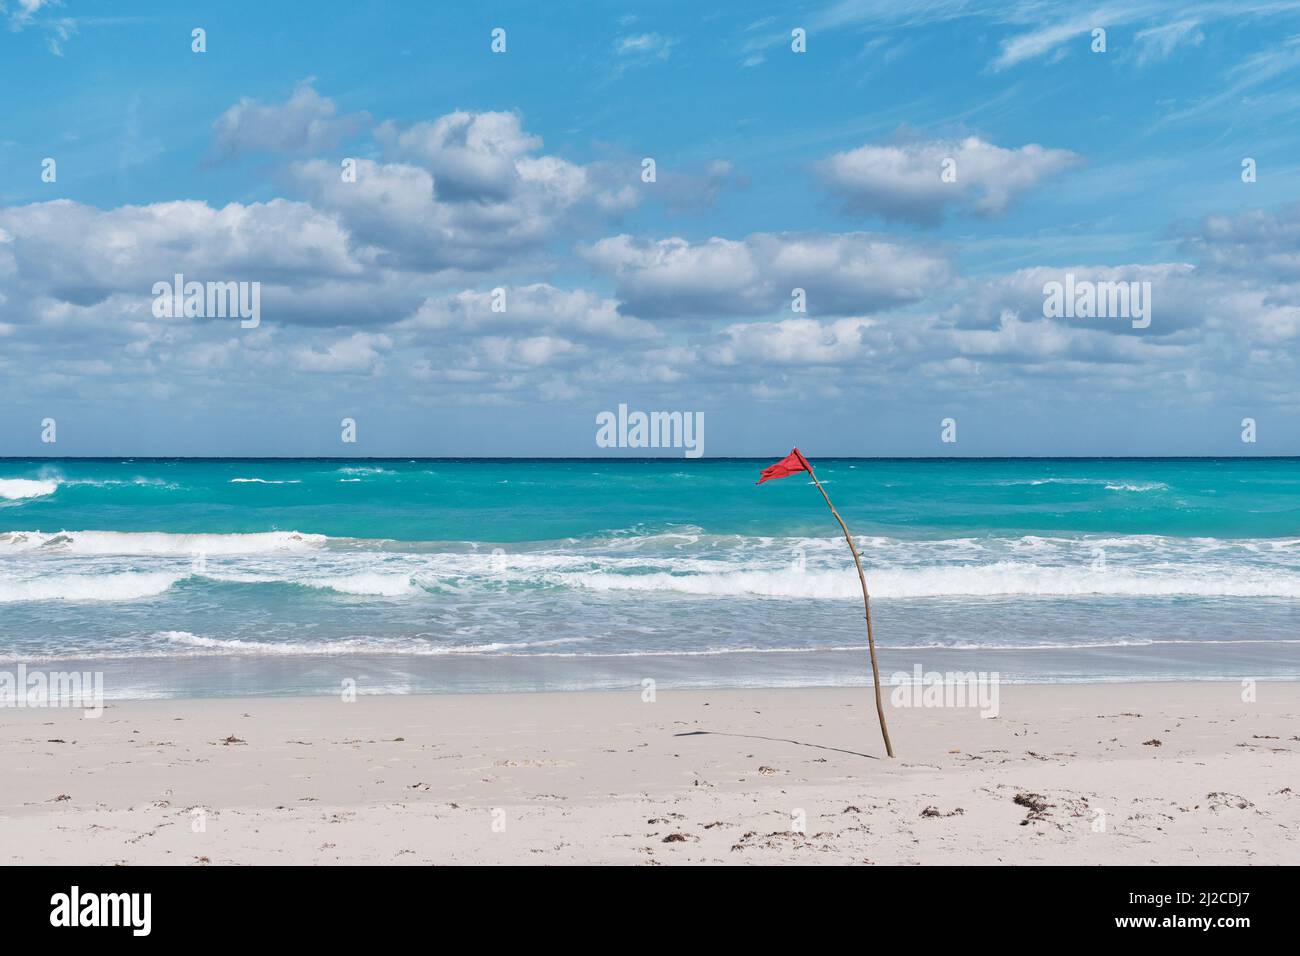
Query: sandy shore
(1064, 774)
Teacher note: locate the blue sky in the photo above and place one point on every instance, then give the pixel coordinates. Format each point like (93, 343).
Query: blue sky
(775, 169)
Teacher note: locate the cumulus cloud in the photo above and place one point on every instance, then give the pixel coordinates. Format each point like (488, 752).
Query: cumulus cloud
(358, 353)
(391, 275)
(850, 273)
(472, 156)
(530, 307)
(360, 253)
(906, 181)
(1256, 242)
(393, 208)
(1177, 297)
(876, 307)
(468, 191)
(800, 342)
(528, 352)
(81, 254)
(489, 158)
(306, 122)
(1035, 340)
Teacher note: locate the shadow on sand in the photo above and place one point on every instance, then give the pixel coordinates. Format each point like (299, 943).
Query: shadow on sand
(783, 740)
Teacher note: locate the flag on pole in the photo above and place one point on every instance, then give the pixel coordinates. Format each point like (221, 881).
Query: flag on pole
(794, 463)
(791, 464)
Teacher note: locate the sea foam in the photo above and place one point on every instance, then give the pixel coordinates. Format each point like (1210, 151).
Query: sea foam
(123, 586)
(153, 543)
(16, 489)
(998, 579)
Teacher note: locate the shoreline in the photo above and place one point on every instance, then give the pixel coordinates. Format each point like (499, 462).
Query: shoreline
(854, 683)
(319, 676)
(695, 776)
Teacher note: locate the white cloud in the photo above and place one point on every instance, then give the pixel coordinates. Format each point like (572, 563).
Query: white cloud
(1042, 28)
(645, 46)
(850, 273)
(24, 11)
(906, 181)
(360, 352)
(81, 254)
(1256, 242)
(389, 275)
(803, 342)
(1038, 340)
(472, 156)
(1048, 39)
(1159, 42)
(306, 122)
(534, 306)
(468, 191)
(532, 351)
(392, 207)
(1177, 297)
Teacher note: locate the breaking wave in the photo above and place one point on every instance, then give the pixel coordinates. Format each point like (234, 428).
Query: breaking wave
(157, 543)
(17, 489)
(122, 586)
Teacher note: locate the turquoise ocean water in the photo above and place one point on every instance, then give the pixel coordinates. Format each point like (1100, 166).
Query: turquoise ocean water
(205, 577)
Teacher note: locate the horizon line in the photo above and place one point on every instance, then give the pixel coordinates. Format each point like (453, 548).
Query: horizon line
(679, 459)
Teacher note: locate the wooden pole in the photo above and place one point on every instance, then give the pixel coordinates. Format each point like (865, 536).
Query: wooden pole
(866, 604)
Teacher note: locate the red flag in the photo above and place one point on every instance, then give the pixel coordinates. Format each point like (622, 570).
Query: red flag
(791, 464)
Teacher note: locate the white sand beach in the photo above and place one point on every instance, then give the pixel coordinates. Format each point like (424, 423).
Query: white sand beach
(1157, 773)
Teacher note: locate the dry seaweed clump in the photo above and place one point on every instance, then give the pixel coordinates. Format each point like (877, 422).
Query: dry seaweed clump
(1035, 803)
